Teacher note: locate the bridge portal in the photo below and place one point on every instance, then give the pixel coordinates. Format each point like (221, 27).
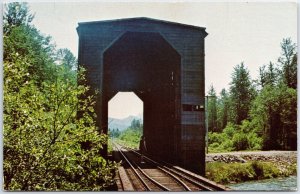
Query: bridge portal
(163, 64)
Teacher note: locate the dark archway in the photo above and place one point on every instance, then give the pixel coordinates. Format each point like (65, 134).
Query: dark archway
(145, 63)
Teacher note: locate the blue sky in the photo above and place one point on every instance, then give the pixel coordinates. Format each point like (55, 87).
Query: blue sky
(238, 32)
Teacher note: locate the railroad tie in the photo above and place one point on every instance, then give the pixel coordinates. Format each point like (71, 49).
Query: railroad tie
(126, 184)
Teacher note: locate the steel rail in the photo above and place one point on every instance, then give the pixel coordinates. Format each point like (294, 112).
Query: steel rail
(134, 170)
(210, 185)
(145, 174)
(202, 183)
(164, 170)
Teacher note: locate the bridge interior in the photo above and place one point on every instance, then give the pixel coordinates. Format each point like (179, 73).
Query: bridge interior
(146, 64)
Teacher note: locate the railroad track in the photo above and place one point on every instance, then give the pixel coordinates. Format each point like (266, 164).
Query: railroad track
(159, 176)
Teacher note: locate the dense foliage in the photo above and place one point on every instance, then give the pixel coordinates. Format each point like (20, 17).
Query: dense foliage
(46, 145)
(261, 113)
(235, 138)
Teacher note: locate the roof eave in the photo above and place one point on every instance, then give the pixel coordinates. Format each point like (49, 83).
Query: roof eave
(143, 18)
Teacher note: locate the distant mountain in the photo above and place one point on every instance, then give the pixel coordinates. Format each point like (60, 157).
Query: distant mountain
(122, 124)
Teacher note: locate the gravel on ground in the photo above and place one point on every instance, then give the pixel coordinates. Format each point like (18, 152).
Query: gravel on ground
(271, 156)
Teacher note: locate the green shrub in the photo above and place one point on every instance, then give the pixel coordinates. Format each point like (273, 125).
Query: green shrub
(239, 172)
(255, 142)
(265, 170)
(225, 173)
(214, 137)
(234, 137)
(240, 141)
(227, 145)
(258, 169)
(230, 130)
(291, 169)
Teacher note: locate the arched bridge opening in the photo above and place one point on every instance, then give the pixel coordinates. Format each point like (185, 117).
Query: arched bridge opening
(145, 63)
(125, 116)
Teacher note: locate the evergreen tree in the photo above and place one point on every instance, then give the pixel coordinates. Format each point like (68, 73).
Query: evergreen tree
(274, 111)
(135, 124)
(275, 108)
(241, 93)
(223, 107)
(288, 63)
(212, 110)
(267, 76)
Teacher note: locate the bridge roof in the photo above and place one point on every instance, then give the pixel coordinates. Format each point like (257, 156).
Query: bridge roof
(151, 20)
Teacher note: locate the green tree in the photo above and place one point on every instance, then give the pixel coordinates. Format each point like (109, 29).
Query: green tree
(26, 41)
(223, 109)
(46, 146)
(275, 108)
(135, 124)
(212, 110)
(241, 93)
(267, 75)
(115, 133)
(288, 62)
(274, 111)
(16, 14)
(66, 58)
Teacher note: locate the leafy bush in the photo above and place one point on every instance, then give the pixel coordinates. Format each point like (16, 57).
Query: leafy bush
(230, 129)
(255, 142)
(240, 141)
(239, 172)
(46, 145)
(221, 142)
(225, 173)
(235, 137)
(265, 170)
(227, 145)
(214, 137)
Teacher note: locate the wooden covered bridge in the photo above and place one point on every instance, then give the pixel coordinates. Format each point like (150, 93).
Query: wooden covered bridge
(162, 62)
